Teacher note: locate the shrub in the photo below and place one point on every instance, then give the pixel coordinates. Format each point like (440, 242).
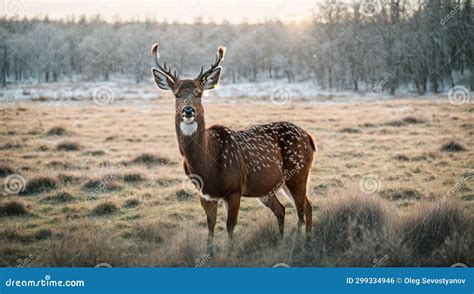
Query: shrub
(349, 219)
(183, 195)
(6, 170)
(453, 146)
(105, 208)
(60, 197)
(402, 157)
(133, 177)
(68, 146)
(400, 194)
(350, 130)
(132, 202)
(149, 159)
(39, 185)
(430, 225)
(57, 131)
(13, 207)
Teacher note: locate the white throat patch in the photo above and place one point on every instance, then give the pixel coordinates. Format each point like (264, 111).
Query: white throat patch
(188, 128)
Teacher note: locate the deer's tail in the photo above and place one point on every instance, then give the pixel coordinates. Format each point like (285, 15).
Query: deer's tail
(311, 141)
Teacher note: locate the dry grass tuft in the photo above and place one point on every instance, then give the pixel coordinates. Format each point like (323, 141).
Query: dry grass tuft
(409, 120)
(57, 131)
(105, 208)
(150, 159)
(101, 185)
(430, 225)
(149, 231)
(68, 146)
(350, 130)
(400, 194)
(260, 237)
(402, 157)
(184, 195)
(88, 245)
(13, 208)
(131, 202)
(133, 177)
(60, 197)
(39, 185)
(6, 170)
(15, 233)
(349, 219)
(453, 146)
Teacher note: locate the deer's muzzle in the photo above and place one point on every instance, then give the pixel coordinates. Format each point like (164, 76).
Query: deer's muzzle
(188, 114)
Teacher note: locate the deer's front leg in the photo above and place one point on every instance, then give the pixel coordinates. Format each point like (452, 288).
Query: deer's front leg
(233, 205)
(210, 207)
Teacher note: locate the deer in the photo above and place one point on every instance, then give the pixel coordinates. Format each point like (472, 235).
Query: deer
(255, 162)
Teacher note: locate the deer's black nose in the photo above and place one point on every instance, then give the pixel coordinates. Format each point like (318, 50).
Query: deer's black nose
(188, 111)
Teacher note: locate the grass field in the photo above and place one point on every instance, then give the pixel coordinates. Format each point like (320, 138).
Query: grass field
(391, 185)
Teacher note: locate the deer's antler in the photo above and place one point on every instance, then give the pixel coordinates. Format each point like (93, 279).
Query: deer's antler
(217, 62)
(164, 69)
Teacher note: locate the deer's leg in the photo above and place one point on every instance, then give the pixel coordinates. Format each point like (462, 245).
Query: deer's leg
(233, 205)
(278, 210)
(210, 207)
(309, 217)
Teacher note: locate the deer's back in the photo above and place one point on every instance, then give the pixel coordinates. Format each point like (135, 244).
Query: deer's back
(261, 155)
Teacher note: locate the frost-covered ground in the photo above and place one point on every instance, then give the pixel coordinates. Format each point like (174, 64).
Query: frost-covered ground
(275, 91)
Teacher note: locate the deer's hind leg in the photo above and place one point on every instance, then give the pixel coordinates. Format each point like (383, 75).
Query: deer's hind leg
(272, 202)
(296, 185)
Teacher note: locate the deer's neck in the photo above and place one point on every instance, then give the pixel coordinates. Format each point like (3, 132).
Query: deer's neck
(193, 143)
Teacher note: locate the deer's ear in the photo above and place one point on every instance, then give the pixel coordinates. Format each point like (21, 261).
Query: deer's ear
(162, 80)
(211, 80)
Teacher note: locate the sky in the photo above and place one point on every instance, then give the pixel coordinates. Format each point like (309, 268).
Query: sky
(180, 10)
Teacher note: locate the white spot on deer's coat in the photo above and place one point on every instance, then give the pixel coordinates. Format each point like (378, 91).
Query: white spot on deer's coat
(188, 128)
(208, 197)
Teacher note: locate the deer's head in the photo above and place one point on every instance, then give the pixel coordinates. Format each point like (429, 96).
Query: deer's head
(188, 92)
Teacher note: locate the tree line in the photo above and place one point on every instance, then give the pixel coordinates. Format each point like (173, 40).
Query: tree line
(419, 45)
